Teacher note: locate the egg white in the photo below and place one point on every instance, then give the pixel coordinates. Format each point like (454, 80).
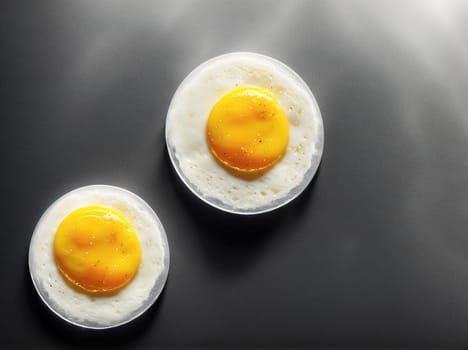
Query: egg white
(93, 311)
(186, 132)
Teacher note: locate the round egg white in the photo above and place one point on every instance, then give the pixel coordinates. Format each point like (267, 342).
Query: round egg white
(93, 311)
(188, 148)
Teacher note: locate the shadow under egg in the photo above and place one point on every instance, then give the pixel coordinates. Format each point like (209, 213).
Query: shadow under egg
(65, 334)
(232, 243)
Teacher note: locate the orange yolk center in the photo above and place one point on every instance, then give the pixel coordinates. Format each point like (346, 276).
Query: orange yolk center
(247, 131)
(97, 250)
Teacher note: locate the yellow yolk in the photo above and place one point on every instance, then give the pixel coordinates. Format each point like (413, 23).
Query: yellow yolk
(97, 250)
(247, 131)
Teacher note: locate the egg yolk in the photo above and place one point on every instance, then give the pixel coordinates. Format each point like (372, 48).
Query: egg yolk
(247, 131)
(97, 250)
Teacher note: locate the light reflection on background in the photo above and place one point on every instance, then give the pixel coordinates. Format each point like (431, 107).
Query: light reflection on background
(431, 36)
(391, 78)
(409, 56)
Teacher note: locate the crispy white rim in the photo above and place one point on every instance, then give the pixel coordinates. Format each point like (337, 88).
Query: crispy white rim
(280, 202)
(155, 290)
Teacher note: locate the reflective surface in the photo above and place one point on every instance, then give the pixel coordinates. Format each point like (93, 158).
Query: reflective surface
(374, 253)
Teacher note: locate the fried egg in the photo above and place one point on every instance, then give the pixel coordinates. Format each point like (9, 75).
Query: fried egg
(99, 256)
(244, 133)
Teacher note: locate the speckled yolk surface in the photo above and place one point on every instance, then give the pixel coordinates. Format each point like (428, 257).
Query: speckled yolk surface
(97, 250)
(247, 131)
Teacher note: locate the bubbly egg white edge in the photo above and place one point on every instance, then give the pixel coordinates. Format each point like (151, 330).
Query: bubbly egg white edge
(190, 108)
(100, 312)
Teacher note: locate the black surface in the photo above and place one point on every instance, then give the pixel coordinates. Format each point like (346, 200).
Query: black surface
(375, 253)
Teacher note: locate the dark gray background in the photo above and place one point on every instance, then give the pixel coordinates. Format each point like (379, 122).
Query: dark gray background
(374, 253)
